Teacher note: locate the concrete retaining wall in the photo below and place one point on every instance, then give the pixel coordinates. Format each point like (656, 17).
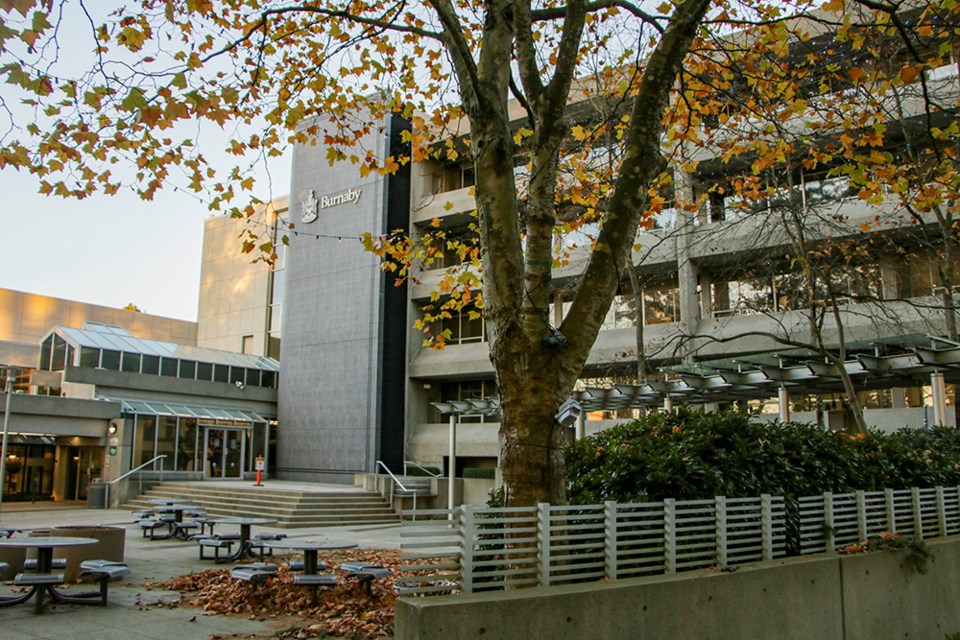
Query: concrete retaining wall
(863, 597)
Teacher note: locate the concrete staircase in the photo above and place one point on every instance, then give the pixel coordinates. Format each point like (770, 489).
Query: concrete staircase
(292, 507)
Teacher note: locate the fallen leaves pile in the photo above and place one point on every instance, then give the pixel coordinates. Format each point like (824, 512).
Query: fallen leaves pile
(344, 610)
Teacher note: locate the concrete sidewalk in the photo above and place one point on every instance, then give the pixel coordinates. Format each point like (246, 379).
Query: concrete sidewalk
(133, 610)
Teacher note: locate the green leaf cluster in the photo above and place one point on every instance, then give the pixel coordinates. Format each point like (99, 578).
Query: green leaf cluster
(690, 455)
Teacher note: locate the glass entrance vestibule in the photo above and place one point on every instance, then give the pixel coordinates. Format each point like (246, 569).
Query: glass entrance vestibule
(224, 443)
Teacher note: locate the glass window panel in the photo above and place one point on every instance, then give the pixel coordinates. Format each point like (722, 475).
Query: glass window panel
(204, 371)
(279, 283)
(46, 350)
(268, 379)
(130, 362)
(188, 369)
(253, 378)
(159, 408)
(273, 348)
(169, 367)
(144, 439)
(661, 304)
(187, 445)
(151, 365)
(70, 354)
(89, 358)
(59, 354)
(221, 373)
(237, 375)
(110, 360)
(167, 439)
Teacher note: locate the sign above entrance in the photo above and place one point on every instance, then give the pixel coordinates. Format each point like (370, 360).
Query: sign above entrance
(310, 207)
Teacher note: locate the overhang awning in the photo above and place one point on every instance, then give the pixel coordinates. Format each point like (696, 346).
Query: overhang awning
(152, 407)
(904, 361)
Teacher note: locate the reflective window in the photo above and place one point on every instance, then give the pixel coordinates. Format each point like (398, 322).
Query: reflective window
(46, 349)
(204, 371)
(221, 373)
(253, 378)
(167, 439)
(144, 439)
(168, 367)
(151, 364)
(268, 379)
(130, 362)
(110, 360)
(188, 369)
(89, 358)
(237, 375)
(59, 354)
(187, 445)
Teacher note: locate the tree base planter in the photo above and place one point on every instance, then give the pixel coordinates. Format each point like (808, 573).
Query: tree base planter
(14, 557)
(109, 546)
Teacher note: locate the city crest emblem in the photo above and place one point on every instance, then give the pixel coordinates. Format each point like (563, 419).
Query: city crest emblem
(309, 208)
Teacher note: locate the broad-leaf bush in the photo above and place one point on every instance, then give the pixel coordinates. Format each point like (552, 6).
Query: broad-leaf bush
(693, 455)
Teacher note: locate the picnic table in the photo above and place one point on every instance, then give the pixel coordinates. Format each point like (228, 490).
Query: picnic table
(245, 524)
(43, 582)
(310, 548)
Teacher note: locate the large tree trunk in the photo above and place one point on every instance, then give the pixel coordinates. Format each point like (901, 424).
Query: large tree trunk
(532, 447)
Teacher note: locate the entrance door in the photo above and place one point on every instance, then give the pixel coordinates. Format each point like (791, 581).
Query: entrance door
(224, 452)
(85, 464)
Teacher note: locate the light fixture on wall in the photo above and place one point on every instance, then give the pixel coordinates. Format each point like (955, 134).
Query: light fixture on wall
(239, 385)
(112, 429)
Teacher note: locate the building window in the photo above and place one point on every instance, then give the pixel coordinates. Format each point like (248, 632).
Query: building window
(661, 304)
(466, 390)
(130, 362)
(246, 344)
(110, 360)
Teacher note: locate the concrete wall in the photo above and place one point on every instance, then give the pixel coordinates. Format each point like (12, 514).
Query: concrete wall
(328, 397)
(862, 597)
(27, 317)
(234, 290)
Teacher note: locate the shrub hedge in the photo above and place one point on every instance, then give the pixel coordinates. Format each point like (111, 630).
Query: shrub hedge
(693, 455)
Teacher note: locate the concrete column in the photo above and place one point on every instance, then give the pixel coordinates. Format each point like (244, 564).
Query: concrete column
(452, 470)
(581, 426)
(939, 399)
(668, 404)
(706, 296)
(899, 397)
(888, 280)
(784, 404)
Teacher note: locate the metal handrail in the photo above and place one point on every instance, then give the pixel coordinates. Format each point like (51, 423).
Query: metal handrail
(160, 457)
(396, 482)
(424, 469)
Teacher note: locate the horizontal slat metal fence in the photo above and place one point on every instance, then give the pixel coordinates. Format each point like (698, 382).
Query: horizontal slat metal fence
(489, 549)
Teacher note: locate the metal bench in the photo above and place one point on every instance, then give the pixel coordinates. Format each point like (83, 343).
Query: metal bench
(297, 565)
(37, 579)
(143, 514)
(257, 543)
(216, 544)
(183, 530)
(103, 571)
(30, 564)
(364, 573)
(255, 573)
(149, 527)
(314, 582)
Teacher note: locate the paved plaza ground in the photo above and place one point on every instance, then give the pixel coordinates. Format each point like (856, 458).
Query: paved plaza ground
(134, 610)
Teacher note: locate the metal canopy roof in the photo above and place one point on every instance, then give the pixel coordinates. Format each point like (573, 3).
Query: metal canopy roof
(152, 407)
(102, 336)
(904, 361)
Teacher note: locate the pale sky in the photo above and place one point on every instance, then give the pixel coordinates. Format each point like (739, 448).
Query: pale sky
(106, 250)
(111, 250)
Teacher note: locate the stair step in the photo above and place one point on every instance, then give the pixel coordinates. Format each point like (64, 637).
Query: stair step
(291, 508)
